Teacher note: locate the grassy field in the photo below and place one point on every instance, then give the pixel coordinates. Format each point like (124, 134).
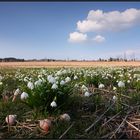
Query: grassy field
(102, 102)
(67, 64)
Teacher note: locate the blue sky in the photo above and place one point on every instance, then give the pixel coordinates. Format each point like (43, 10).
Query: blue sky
(42, 30)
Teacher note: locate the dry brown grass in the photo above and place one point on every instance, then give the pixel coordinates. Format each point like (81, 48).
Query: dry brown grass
(66, 64)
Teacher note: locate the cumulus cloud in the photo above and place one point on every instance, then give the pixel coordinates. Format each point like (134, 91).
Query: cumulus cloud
(97, 20)
(77, 37)
(99, 39)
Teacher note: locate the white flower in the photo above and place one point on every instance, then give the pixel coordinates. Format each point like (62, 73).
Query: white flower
(51, 79)
(76, 85)
(87, 94)
(121, 84)
(17, 92)
(25, 79)
(54, 86)
(114, 98)
(67, 79)
(56, 78)
(53, 104)
(30, 85)
(62, 82)
(24, 96)
(38, 82)
(75, 77)
(114, 88)
(128, 81)
(1, 83)
(101, 86)
(84, 88)
(59, 73)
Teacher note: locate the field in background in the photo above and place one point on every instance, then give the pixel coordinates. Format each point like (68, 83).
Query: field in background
(67, 64)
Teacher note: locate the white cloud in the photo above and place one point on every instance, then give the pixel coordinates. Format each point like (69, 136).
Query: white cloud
(97, 20)
(99, 38)
(77, 37)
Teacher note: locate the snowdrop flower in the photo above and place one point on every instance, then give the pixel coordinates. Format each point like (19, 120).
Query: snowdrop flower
(1, 83)
(17, 92)
(75, 77)
(30, 85)
(62, 82)
(101, 86)
(24, 96)
(121, 84)
(87, 94)
(53, 104)
(54, 86)
(67, 79)
(128, 81)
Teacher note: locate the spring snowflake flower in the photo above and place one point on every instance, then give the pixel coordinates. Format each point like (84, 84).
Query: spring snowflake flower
(24, 96)
(87, 94)
(114, 98)
(114, 88)
(53, 104)
(25, 79)
(67, 79)
(84, 88)
(51, 79)
(101, 86)
(121, 84)
(17, 92)
(62, 82)
(30, 85)
(54, 86)
(59, 73)
(75, 77)
(38, 82)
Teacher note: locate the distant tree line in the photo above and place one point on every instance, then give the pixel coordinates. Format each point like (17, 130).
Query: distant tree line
(11, 59)
(116, 59)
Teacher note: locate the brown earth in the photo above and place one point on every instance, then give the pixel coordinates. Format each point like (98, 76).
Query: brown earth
(66, 64)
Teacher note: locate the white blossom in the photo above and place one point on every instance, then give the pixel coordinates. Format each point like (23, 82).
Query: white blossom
(54, 86)
(53, 104)
(24, 96)
(87, 94)
(67, 79)
(75, 77)
(114, 88)
(121, 84)
(38, 82)
(30, 85)
(101, 86)
(62, 82)
(17, 92)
